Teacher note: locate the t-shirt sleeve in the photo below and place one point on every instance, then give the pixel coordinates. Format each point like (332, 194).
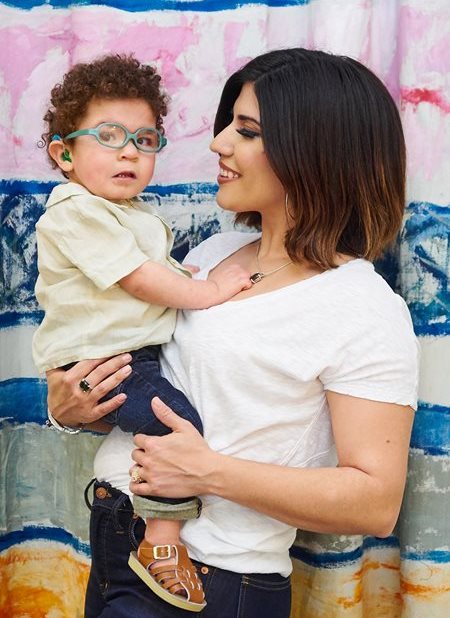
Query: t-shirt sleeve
(377, 358)
(97, 243)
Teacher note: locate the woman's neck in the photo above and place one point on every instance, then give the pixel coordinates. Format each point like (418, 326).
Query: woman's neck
(271, 246)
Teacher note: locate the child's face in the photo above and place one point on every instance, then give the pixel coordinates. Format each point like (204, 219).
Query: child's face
(115, 174)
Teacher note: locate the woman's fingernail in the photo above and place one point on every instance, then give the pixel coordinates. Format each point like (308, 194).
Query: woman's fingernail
(121, 398)
(126, 370)
(126, 358)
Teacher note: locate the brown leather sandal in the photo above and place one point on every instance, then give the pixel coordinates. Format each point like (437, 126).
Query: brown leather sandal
(178, 583)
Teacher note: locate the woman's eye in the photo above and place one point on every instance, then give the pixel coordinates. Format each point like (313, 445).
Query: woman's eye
(248, 133)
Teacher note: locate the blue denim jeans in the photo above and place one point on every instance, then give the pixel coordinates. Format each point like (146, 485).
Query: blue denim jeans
(144, 383)
(115, 591)
(136, 416)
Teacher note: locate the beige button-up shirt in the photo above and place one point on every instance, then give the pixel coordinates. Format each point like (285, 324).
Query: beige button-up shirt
(86, 244)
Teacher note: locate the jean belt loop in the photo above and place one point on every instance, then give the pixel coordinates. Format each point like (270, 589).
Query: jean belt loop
(117, 506)
(86, 494)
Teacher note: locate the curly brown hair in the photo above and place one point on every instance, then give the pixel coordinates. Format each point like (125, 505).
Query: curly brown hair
(113, 76)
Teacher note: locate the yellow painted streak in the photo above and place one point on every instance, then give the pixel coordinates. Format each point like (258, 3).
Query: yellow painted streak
(42, 580)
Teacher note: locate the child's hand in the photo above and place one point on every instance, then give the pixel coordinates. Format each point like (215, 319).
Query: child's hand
(229, 281)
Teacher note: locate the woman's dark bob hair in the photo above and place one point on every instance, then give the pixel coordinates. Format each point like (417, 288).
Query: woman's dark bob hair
(333, 136)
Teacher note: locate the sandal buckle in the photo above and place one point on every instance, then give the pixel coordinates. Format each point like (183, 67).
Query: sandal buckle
(161, 552)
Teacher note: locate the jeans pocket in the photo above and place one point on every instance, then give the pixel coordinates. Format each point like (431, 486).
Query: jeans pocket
(264, 596)
(272, 583)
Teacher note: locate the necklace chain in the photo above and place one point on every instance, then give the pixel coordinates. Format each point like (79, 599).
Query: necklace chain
(259, 275)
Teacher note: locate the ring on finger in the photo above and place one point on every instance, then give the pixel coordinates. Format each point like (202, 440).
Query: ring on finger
(135, 476)
(85, 386)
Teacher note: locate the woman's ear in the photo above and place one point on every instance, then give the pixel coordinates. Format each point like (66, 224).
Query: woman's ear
(61, 154)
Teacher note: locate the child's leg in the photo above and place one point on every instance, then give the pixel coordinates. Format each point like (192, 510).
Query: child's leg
(162, 531)
(144, 383)
(161, 561)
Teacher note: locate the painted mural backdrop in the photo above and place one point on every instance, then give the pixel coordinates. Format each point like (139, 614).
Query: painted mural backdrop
(44, 557)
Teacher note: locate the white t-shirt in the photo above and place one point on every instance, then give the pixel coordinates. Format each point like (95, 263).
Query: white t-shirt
(257, 370)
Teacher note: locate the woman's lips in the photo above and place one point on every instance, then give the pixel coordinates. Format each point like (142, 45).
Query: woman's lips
(226, 174)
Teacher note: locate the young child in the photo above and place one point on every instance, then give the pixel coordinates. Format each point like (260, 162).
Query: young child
(106, 280)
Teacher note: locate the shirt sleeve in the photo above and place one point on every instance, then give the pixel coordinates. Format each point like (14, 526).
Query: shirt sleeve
(377, 358)
(95, 241)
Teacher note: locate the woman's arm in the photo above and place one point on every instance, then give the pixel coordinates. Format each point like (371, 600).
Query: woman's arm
(70, 406)
(361, 496)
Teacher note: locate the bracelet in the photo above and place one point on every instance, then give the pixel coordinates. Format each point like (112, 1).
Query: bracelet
(53, 424)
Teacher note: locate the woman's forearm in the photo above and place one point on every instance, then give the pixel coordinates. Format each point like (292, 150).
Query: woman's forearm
(360, 496)
(326, 500)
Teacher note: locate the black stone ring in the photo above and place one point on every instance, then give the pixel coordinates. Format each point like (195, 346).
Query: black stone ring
(85, 386)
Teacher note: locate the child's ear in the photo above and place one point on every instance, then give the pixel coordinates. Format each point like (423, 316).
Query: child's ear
(61, 154)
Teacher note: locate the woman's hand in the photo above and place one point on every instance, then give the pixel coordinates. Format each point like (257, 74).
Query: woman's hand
(70, 405)
(176, 465)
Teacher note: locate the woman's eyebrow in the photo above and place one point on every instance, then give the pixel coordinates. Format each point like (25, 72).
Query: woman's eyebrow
(244, 118)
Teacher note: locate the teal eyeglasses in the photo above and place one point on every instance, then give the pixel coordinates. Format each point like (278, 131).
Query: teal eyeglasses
(114, 135)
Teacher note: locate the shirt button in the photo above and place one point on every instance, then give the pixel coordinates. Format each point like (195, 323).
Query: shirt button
(204, 570)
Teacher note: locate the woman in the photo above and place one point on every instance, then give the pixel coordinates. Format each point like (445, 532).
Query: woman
(306, 383)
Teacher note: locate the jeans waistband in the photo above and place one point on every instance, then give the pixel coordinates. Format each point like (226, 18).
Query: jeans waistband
(106, 496)
(148, 352)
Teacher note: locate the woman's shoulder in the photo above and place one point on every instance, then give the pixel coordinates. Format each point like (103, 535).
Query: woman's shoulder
(219, 246)
(362, 298)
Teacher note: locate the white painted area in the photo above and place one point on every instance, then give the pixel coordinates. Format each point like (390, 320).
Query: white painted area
(434, 383)
(20, 363)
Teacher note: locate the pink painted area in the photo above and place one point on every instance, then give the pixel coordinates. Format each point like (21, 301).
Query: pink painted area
(23, 50)
(195, 52)
(425, 43)
(163, 46)
(427, 151)
(232, 35)
(414, 23)
(415, 96)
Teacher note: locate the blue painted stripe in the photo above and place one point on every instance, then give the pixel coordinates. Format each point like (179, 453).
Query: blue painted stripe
(436, 555)
(431, 429)
(36, 187)
(332, 560)
(23, 400)
(158, 5)
(43, 533)
(15, 318)
(427, 227)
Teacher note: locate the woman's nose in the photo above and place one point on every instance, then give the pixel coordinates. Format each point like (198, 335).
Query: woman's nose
(223, 143)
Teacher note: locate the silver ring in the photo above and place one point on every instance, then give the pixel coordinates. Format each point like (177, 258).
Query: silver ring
(135, 476)
(85, 386)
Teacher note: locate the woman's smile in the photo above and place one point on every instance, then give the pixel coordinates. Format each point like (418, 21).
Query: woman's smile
(226, 174)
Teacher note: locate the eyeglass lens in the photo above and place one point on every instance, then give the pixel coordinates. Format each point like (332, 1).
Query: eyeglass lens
(115, 136)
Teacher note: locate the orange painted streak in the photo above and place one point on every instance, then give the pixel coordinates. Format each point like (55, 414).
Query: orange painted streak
(32, 603)
(371, 565)
(347, 602)
(40, 579)
(420, 590)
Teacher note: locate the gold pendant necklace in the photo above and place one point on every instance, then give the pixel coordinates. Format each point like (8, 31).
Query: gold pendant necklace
(259, 275)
